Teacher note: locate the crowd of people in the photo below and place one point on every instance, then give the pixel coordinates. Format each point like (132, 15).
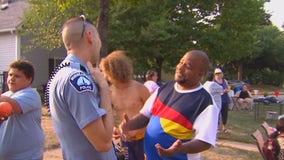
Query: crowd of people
(95, 101)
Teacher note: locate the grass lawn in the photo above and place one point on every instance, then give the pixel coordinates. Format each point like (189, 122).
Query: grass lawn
(242, 123)
(228, 153)
(51, 140)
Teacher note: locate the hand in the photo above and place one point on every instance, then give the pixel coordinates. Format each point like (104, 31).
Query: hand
(226, 90)
(169, 151)
(97, 75)
(124, 127)
(116, 133)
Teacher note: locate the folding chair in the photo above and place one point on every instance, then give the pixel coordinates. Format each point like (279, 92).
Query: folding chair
(234, 101)
(257, 135)
(266, 128)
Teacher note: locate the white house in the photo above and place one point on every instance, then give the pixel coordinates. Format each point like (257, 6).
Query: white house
(11, 44)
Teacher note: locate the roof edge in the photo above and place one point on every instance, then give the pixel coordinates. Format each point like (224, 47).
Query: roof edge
(8, 30)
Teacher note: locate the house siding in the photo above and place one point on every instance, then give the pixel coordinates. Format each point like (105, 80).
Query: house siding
(8, 50)
(11, 50)
(39, 57)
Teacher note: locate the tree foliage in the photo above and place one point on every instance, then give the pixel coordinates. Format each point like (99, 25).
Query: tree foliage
(268, 57)
(231, 38)
(157, 32)
(44, 19)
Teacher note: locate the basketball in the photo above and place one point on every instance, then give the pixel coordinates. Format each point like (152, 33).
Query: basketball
(5, 109)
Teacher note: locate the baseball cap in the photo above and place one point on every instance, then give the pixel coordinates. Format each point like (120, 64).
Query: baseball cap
(217, 70)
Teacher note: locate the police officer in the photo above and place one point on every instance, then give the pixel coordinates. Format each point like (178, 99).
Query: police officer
(79, 98)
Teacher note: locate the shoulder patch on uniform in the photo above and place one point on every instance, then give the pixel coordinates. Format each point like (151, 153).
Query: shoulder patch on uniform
(81, 82)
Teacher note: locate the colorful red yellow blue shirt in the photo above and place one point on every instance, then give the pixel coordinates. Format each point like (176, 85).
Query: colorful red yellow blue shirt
(178, 114)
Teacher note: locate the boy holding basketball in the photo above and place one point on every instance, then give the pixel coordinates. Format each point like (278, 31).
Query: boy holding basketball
(21, 135)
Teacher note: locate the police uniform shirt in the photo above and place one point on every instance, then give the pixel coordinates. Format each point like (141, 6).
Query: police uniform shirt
(74, 103)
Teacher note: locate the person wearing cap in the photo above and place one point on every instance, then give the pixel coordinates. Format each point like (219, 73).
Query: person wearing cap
(219, 79)
(213, 88)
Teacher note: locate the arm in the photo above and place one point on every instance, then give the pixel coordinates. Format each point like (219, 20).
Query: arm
(99, 132)
(250, 96)
(16, 107)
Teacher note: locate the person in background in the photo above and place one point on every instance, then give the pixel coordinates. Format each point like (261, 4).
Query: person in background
(274, 146)
(79, 97)
(244, 98)
(21, 135)
(127, 96)
(219, 79)
(214, 89)
(181, 117)
(151, 81)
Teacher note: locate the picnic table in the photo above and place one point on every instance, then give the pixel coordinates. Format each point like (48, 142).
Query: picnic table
(263, 101)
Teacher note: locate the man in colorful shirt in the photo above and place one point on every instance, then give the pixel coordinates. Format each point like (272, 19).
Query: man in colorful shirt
(181, 116)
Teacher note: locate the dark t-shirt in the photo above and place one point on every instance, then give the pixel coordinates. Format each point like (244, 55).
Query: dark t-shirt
(244, 94)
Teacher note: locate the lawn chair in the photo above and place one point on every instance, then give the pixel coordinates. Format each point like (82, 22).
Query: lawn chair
(257, 135)
(266, 128)
(234, 103)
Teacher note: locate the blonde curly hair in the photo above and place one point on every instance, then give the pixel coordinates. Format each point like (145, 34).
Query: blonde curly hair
(117, 67)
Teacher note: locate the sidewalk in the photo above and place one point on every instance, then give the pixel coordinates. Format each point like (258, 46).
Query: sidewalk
(238, 145)
(55, 154)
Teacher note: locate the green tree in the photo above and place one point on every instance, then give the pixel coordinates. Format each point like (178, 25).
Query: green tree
(44, 19)
(231, 38)
(268, 57)
(157, 33)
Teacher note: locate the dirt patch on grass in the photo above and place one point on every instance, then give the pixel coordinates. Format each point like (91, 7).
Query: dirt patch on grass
(52, 150)
(51, 140)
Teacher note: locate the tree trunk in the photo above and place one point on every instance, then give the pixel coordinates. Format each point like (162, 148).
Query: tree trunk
(159, 62)
(103, 25)
(240, 71)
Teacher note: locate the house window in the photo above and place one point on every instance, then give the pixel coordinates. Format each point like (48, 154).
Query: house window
(3, 81)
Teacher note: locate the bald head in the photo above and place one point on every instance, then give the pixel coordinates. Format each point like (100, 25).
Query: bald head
(201, 59)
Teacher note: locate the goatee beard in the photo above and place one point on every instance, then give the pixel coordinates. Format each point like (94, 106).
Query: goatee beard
(180, 80)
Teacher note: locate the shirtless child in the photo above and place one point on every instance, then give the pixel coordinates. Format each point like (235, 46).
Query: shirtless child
(128, 96)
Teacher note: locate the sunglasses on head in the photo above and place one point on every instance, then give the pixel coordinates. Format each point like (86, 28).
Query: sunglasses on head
(84, 25)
